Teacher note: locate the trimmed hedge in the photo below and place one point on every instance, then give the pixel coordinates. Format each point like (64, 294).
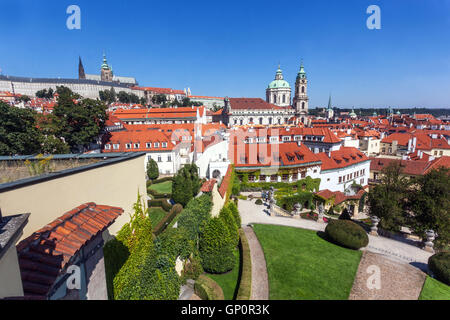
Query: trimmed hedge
(439, 264)
(192, 269)
(157, 195)
(161, 226)
(207, 289)
(162, 180)
(195, 214)
(347, 234)
(160, 203)
(245, 284)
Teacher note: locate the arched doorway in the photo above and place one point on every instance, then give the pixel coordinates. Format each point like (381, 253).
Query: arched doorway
(216, 174)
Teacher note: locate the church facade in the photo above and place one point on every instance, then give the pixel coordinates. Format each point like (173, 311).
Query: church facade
(276, 110)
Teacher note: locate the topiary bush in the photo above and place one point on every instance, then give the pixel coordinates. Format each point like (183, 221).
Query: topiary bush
(227, 217)
(207, 289)
(192, 269)
(347, 234)
(258, 201)
(439, 264)
(216, 247)
(234, 210)
(167, 219)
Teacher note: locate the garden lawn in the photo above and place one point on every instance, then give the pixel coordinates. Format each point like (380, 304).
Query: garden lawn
(303, 266)
(434, 290)
(156, 214)
(163, 187)
(228, 281)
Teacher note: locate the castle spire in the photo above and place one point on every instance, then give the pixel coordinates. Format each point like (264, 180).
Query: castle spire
(81, 74)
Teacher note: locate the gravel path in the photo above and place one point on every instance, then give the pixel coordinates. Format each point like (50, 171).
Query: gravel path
(260, 280)
(397, 281)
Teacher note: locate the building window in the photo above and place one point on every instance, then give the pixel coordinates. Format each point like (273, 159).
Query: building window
(107, 146)
(116, 146)
(285, 177)
(156, 144)
(303, 107)
(164, 144)
(274, 99)
(273, 177)
(136, 145)
(303, 174)
(262, 177)
(303, 89)
(251, 178)
(284, 98)
(361, 182)
(128, 146)
(261, 120)
(340, 179)
(169, 158)
(148, 145)
(159, 159)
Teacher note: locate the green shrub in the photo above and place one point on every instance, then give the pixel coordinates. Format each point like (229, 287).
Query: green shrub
(258, 201)
(245, 284)
(242, 197)
(234, 210)
(167, 219)
(227, 217)
(157, 195)
(346, 233)
(152, 169)
(196, 212)
(207, 289)
(439, 264)
(149, 183)
(160, 203)
(216, 247)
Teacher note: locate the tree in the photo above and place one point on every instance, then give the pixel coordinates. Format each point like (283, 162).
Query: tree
(19, 134)
(216, 249)
(429, 205)
(45, 94)
(387, 200)
(78, 122)
(160, 99)
(227, 216)
(186, 184)
(152, 169)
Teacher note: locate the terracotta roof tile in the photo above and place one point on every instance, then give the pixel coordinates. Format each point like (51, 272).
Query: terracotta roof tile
(44, 254)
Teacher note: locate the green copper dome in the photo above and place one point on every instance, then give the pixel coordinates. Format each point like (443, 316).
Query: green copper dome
(279, 82)
(105, 63)
(301, 73)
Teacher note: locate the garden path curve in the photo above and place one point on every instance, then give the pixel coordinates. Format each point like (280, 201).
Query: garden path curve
(260, 279)
(380, 278)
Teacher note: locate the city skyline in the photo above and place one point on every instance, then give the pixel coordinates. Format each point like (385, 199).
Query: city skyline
(234, 50)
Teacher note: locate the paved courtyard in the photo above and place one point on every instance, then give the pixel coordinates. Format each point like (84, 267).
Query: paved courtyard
(391, 249)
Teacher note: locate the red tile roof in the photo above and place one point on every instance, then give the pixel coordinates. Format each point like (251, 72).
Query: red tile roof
(266, 154)
(149, 113)
(142, 137)
(45, 254)
(208, 185)
(411, 167)
(344, 157)
(225, 182)
(339, 196)
(159, 90)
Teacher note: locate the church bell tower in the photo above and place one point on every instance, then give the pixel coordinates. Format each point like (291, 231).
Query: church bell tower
(300, 101)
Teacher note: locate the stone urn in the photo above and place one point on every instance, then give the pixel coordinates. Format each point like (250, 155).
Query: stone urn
(431, 235)
(297, 209)
(374, 228)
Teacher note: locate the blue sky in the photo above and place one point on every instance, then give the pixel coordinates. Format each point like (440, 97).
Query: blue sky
(232, 48)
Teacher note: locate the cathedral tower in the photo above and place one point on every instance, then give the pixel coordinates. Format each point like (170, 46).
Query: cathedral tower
(106, 71)
(300, 101)
(279, 91)
(81, 74)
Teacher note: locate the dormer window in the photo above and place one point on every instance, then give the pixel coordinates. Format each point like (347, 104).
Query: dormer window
(164, 144)
(136, 145)
(148, 145)
(128, 146)
(107, 146)
(156, 144)
(116, 146)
